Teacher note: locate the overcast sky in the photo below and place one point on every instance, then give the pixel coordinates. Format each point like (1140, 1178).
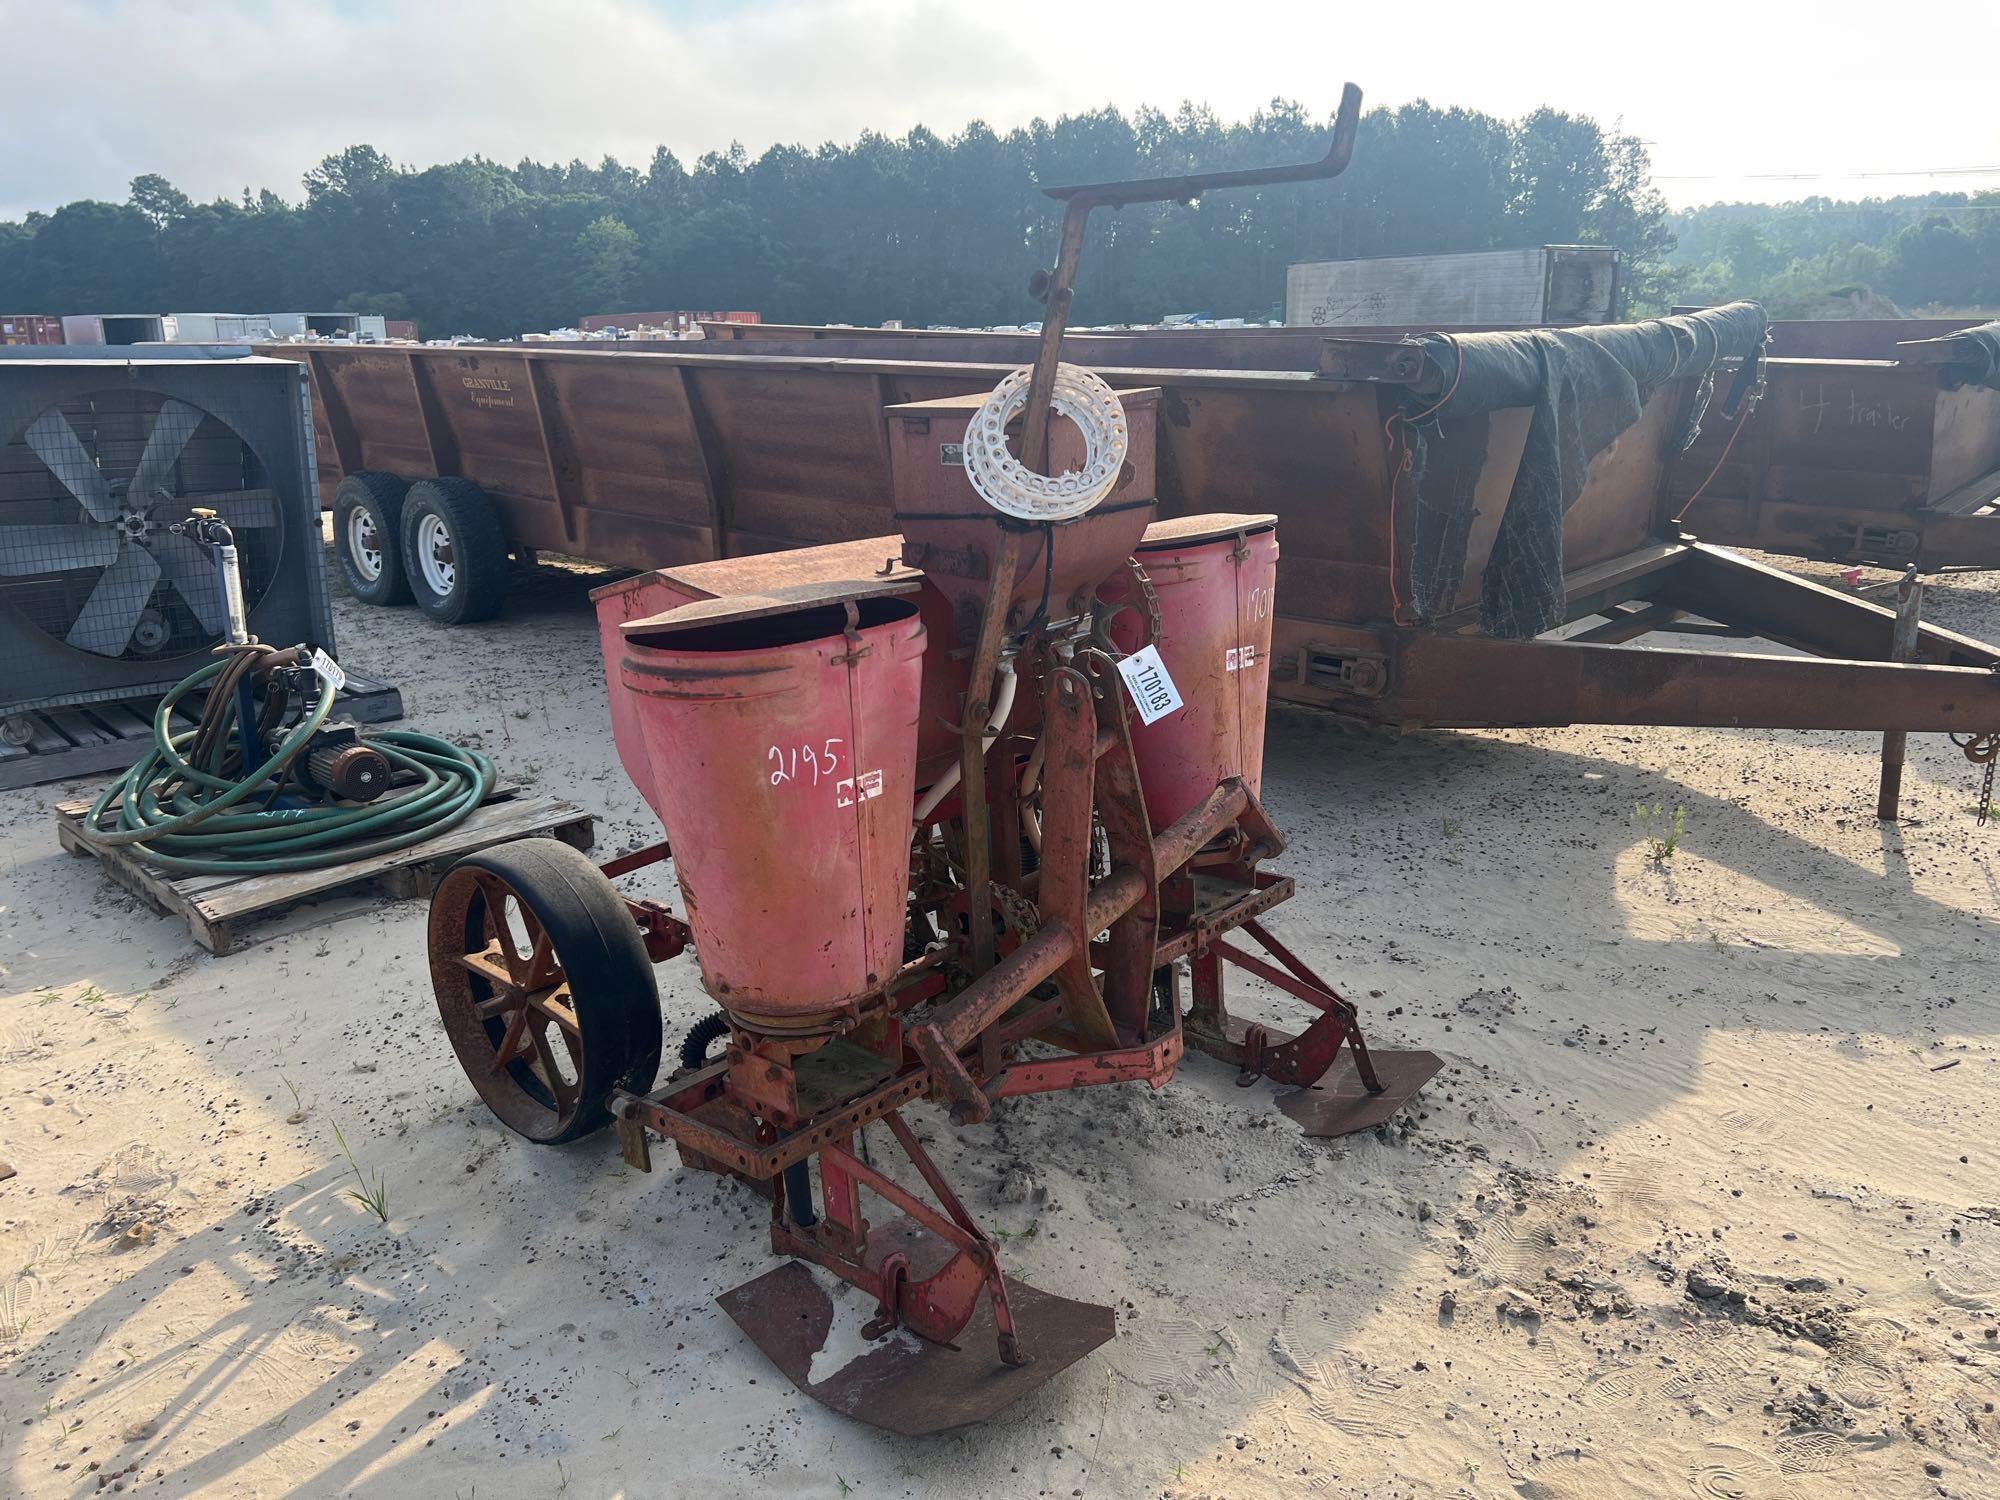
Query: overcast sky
(1747, 100)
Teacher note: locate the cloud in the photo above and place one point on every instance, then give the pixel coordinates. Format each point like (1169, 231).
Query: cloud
(218, 95)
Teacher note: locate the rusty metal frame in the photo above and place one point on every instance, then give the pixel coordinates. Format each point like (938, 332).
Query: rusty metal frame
(1419, 679)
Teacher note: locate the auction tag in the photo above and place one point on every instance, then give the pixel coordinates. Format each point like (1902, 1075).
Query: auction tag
(1150, 684)
(328, 668)
(863, 788)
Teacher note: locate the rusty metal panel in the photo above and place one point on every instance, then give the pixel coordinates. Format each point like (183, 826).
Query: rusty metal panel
(1965, 439)
(1844, 460)
(803, 451)
(1826, 432)
(641, 492)
(1316, 456)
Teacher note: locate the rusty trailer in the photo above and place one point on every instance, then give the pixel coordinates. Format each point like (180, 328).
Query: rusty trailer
(660, 459)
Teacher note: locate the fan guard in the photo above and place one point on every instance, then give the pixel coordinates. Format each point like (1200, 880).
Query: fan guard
(86, 553)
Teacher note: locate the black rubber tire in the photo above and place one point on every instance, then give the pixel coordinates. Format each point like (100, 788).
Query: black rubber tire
(694, 1046)
(481, 571)
(380, 494)
(610, 977)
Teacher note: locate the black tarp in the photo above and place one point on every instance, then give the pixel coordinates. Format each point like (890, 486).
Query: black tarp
(1975, 357)
(1583, 386)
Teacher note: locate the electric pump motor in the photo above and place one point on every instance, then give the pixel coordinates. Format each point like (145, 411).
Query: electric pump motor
(341, 763)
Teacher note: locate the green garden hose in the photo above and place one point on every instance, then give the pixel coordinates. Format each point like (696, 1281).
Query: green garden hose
(187, 813)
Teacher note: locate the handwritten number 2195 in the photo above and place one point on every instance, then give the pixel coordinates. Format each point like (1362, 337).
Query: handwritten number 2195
(791, 762)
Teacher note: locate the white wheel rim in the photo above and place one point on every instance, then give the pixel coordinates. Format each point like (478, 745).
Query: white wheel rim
(364, 544)
(434, 555)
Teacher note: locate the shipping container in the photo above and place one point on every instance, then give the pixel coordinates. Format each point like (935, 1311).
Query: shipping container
(1540, 284)
(214, 327)
(117, 328)
(30, 328)
(238, 327)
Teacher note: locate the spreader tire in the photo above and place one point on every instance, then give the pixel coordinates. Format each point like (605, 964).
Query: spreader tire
(566, 948)
(454, 551)
(368, 536)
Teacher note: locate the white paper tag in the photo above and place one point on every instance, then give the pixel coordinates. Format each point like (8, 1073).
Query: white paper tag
(1150, 684)
(328, 668)
(863, 788)
(1239, 658)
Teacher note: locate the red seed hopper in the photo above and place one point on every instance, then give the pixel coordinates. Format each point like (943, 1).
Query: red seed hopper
(956, 816)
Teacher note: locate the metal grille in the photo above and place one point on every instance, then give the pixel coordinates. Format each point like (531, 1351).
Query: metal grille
(88, 491)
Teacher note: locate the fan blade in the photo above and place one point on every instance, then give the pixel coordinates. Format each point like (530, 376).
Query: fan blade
(56, 444)
(244, 510)
(28, 550)
(114, 606)
(190, 570)
(171, 430)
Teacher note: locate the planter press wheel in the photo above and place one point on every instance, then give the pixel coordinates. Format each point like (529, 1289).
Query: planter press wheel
(544, 987)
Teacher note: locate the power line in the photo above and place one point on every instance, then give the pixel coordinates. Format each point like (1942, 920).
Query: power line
(1985, 171)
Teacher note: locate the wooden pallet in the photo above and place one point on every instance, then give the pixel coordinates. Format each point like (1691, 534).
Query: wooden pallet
(219, 909)
(86, 738)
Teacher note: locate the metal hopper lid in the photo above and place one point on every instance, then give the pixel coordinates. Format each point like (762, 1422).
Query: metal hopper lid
(1182, 531)
(815, 593)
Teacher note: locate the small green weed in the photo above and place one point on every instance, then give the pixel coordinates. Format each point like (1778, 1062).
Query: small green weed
(372, 1195)
(1662, 830)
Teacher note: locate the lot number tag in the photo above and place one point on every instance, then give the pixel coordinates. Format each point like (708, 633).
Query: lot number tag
(328, 668)
(1151, 686)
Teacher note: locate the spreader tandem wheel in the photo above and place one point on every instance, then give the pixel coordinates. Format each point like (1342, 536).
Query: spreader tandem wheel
(544, 986)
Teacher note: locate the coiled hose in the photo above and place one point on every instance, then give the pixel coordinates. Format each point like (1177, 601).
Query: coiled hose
(191, 810)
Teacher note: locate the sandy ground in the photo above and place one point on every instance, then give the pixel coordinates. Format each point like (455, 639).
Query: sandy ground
(1707, 1201)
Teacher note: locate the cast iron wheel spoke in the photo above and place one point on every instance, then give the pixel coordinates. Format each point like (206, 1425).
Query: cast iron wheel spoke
(510, 1041)
(527, 971)
(542, 970)
(553, 1004)
(491, 967)
(561, 1088)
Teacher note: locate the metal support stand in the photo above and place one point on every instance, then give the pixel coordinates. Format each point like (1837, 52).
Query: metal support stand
(1902, 648)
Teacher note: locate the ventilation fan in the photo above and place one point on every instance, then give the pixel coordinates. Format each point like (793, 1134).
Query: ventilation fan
(99, 598)
(123, 460)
